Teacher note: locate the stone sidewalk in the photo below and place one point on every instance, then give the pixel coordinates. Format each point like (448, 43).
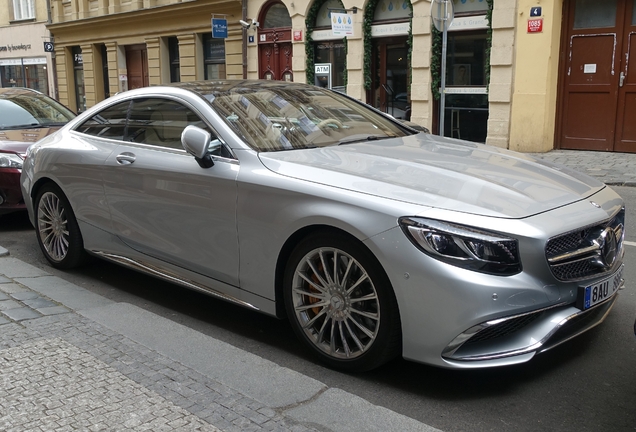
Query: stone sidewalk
(72, 360)
(616, 169)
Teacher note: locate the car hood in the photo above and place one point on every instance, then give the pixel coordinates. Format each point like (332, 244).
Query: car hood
(439, 172)
(18, 140)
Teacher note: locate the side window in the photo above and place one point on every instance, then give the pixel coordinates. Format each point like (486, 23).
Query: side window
(160, 122)
(108, 123)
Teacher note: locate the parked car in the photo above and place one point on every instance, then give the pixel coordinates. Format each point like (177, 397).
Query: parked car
(374, 240)
(25, 116)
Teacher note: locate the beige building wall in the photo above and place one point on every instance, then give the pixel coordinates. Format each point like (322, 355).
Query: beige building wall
(534, 104)
(25, 39)
(118, 23)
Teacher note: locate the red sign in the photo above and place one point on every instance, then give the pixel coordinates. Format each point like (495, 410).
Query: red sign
(298, 35)
(535, 25)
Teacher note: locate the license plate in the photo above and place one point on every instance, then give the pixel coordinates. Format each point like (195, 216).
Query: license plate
(594, 294)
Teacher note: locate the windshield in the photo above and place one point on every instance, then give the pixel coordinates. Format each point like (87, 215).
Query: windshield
(27, 110)
(285, 117)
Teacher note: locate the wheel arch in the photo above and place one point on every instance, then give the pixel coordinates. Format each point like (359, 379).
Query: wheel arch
(290, 244)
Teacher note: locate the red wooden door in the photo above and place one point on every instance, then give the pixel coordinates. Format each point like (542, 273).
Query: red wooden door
(275, 55)
(599, 95)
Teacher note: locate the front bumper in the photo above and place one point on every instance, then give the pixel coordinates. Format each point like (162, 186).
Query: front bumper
(10, 193)
(443, 307)
(524, 334)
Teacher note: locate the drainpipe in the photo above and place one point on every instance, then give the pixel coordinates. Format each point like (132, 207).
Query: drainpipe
(49, 20)
(244, 18)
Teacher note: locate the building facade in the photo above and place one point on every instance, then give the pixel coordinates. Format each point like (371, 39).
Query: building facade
(24, 62)
(529, 75)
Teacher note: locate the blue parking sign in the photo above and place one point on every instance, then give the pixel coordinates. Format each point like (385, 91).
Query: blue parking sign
(219, 28)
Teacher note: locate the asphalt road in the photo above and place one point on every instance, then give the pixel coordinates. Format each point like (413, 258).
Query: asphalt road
(586, 384)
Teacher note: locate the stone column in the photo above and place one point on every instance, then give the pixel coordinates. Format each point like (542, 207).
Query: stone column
(88, 58)
(355, 53)
(421, 95)
(153, 47)
(188, 56)
(502, 56)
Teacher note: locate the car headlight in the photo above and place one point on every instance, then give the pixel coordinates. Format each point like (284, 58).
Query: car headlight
(10, 160)
(464, 246)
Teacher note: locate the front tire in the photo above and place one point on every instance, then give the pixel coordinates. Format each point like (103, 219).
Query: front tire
(56, 228)
(341, 303)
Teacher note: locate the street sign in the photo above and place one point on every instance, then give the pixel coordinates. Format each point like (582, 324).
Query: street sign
(219, 28)
(442, 12)
(535, 11)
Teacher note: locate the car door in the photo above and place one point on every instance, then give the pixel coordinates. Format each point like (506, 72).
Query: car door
(162, 203)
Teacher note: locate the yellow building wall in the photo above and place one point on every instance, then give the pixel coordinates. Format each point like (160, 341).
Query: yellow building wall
(116, 24)
(534, 103)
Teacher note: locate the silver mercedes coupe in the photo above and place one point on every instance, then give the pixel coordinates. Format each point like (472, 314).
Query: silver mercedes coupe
(373, 239)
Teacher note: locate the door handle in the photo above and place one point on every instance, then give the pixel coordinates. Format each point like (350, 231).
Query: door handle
(125, 158)
(621, 79)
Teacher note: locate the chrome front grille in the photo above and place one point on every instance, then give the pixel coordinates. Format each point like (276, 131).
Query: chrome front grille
(588, 251)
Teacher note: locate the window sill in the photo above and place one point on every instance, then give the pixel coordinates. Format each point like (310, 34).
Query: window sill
(22, 21)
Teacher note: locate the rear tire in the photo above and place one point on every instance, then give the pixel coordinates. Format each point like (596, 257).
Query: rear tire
(56, 228)
(341, 304)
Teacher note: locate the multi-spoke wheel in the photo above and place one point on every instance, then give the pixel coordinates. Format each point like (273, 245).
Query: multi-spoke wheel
(56, 228)
(341, 303)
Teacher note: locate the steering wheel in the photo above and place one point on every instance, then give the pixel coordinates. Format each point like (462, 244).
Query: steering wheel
(330, 121)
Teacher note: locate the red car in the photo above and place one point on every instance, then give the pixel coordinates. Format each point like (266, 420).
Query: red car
(26, 116)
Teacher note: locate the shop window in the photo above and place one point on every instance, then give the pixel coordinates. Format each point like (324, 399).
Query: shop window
(78, 72)
(175, 65)
(466, 113)
(23, 9)
(330, 52)
(469, 7)
(27, 72)
(104, 54)
(214, 57)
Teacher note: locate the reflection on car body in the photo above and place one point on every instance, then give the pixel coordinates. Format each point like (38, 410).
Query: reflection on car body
(26, 116)
(453, 254)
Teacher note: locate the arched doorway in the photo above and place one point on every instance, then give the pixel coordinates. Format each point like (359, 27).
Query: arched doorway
(323, 49)
(274, 43)
(390, 54)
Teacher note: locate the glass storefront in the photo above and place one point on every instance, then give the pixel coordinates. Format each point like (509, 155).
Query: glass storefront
(26, 72)
(466, 107)
(78, 73)
(466, 113)
(214, 57)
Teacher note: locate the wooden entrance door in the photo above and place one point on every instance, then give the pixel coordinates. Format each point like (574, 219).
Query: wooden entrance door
(274, 43)
(275, 55)
(598, 98)
(137, 66)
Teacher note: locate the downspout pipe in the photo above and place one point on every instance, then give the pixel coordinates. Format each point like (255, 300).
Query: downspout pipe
(244, 18)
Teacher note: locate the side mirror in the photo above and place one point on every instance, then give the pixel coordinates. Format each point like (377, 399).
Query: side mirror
(197, 142)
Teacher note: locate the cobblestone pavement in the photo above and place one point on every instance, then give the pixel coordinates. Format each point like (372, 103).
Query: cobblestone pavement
(71, 360)
(60, 371)
(618, 169)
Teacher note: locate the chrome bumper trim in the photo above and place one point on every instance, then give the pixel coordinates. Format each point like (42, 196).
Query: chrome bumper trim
(541, 346)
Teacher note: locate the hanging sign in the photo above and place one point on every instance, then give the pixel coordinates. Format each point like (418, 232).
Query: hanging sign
(219, 28)
(341, 24)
